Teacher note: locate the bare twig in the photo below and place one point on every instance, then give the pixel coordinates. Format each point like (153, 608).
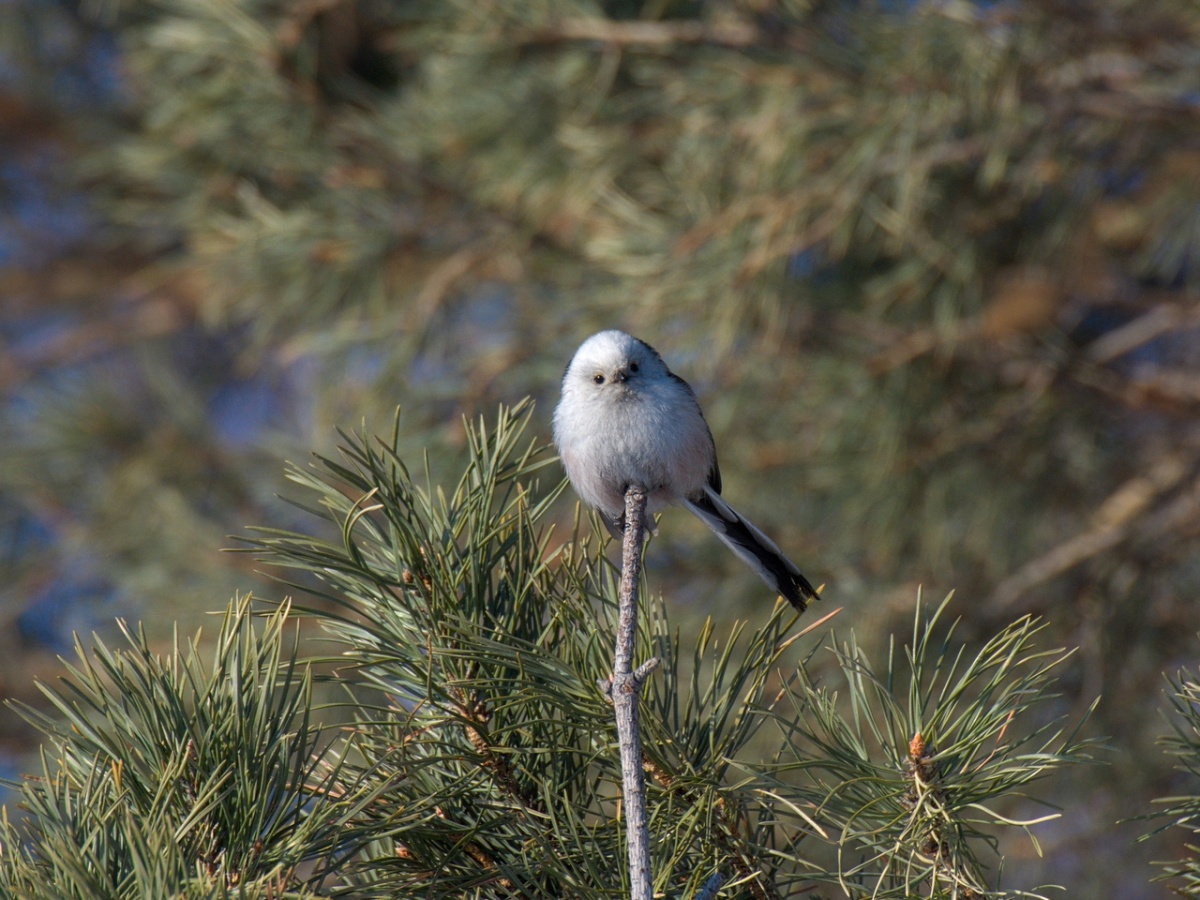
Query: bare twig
(1115, 521)
(646, 34)
(1158, 321)
(91, 339)
(626, 687)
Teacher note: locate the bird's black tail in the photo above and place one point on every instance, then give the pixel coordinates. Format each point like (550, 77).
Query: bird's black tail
(753, 547)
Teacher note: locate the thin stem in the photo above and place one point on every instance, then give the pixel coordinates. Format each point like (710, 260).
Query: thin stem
(631, 573)
(626, 687)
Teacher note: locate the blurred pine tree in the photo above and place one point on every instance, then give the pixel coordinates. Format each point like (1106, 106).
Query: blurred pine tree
(932, 267)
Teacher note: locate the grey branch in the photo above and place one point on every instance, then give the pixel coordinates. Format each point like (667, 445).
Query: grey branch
(626, 685)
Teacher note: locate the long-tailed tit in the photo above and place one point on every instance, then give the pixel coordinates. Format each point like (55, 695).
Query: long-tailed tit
(625, 418)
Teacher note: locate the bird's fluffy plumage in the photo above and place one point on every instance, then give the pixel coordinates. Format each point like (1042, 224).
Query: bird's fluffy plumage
(624, 418)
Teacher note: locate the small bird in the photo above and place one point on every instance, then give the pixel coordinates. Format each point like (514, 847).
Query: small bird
(625, 418)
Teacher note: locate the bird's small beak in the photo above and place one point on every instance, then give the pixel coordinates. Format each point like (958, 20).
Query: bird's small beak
(622, 375)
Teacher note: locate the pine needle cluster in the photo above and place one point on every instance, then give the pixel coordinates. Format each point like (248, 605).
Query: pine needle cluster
(481, 761)
(1180, 814)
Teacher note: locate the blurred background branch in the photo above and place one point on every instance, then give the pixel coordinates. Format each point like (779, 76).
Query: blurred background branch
(931, 266)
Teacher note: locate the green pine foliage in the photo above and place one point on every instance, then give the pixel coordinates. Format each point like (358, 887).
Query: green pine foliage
(1180, 814)
(481, 759)
(164, 775)
(936, 740)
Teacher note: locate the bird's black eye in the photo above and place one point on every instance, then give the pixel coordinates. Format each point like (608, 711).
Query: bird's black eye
(633, 367)
(598, 378)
